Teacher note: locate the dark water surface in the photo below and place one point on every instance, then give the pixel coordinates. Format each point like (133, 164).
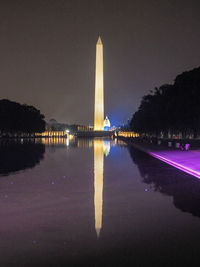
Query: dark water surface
(94, 203)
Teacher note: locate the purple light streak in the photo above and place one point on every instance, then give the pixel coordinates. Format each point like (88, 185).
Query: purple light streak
(176, 164)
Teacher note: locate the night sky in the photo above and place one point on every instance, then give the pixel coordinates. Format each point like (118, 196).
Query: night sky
(47, 55)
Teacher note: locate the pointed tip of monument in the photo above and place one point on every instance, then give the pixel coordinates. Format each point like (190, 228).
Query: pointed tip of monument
(99, 41)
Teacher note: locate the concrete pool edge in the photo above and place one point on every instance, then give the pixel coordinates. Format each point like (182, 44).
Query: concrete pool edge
(174, 163)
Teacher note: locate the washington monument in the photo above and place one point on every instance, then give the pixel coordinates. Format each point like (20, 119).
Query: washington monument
(99, 89)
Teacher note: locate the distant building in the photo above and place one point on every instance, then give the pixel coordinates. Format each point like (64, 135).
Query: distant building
(84, 128)
(127, 134)
(106, 124)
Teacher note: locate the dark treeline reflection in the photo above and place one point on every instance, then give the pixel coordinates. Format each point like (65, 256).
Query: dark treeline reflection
(16, 156)
(184, 188)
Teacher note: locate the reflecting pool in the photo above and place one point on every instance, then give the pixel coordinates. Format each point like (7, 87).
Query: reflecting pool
(94, 202)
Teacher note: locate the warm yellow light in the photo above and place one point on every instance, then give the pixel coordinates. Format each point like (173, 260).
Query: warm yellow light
(99, 89)
(128, 134)
(71, 136)
(98, 183)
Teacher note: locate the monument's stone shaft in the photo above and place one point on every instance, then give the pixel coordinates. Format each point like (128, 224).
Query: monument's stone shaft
(99, 89)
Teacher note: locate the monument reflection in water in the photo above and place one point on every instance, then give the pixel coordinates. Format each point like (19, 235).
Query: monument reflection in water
(100, 147)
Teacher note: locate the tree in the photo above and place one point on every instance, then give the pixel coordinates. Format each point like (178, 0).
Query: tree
(171, 108)
(17, 118)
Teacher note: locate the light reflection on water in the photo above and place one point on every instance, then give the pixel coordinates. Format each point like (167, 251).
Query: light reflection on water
(98, 183)
(101, 148)
(96, 201)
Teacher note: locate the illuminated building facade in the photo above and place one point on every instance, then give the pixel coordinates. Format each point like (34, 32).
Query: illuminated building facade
(106, 124)
(83, 128)
(99, 89)
(127, 134)
(52, 134)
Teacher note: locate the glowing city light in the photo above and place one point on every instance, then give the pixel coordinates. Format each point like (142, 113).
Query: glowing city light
(67, 142)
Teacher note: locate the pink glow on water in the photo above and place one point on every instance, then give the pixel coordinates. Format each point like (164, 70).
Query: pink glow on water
(177, 165)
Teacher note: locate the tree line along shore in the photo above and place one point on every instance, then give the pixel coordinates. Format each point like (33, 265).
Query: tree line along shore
(171, 111)
(16, 119)
(21, 120)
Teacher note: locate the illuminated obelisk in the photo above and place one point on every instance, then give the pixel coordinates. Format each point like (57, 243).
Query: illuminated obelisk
(99, 89)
